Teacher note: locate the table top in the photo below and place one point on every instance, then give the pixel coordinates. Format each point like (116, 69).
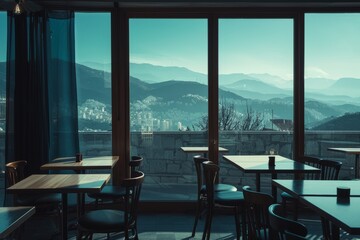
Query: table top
(343, 215)
(12, 217)
(69, 163)
(201, 149)
(346, 150)
(316, 187)
(61, 183)
(259, 164)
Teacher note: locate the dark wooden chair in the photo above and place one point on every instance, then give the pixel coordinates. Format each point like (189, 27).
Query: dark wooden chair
(282, 227)
(312, 161)
(112, 193)
(114, 220)
(257, 213)
(201, 189)
(329, 171)
(232, 199)
(47, 204)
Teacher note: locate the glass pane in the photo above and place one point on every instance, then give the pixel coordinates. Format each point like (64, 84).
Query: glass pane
(93, 73)
(255, 90)
(168, 102)
(332, 80)
(3, 45)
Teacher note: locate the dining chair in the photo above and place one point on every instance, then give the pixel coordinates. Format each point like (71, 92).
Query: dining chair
(282, 227)
(201, 189)
(330, 170)
(45, 203)
(115, 193)
(285, 197)
(114, 220)
(227, 199)
(257, 213)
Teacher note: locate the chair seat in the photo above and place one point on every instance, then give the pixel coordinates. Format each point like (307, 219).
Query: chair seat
(105, 220)
(229, 198)
(220, 188)
(38, 199)
(109, 192)
(287, 196)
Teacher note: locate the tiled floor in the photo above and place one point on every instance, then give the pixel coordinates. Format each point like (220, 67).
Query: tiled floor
(158, 227)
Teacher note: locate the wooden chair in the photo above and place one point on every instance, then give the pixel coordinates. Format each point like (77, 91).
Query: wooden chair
(111, 220)
(257, 213)
(44, 203)
(114, 193)
(312, 161)
(201, 189)
(232, 199)
(282, 227)
(329, 171)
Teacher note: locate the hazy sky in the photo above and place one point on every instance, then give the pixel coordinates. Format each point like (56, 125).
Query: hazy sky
(3, 36)
(332, 43)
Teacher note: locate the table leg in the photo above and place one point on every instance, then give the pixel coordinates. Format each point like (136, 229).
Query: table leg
(80, 204)
(64, 215)
(356, 166)
(335, 232)
(274, 188)
(258, 182)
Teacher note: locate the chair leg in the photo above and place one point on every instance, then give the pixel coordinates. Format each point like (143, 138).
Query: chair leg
(283, 203)
(243, 223)
(296, 211)
(237, 223)
(207, 227)
(197, 215)
(209, 224)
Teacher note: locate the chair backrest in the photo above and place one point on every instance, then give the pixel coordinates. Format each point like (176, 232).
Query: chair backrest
(281, 226)
(133, 189)
(135, 163)
(210, 171)
(257, 213)
(15, 172)
(198, 160)
(314, 162)
(330, 169)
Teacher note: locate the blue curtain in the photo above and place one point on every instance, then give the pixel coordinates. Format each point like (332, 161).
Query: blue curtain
(41, 88)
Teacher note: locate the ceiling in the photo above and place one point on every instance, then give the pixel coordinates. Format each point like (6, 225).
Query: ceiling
(33, 5)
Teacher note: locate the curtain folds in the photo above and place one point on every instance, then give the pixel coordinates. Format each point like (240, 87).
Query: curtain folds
(41, 88)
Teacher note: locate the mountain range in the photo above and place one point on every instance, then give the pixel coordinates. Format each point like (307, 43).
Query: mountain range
(180, 95)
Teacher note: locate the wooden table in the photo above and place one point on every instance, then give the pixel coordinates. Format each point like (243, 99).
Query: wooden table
(355, 151)
(61, 183)
(298, 188)
(69, 163)
(12, 217)
(203, 150)
(258, 164)
(345, 216)
(320, 196)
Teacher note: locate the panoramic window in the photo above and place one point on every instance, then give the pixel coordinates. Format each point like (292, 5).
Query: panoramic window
(168, 101)
(332, 81)
(3, 41)
(93, 74)
(255, 87)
